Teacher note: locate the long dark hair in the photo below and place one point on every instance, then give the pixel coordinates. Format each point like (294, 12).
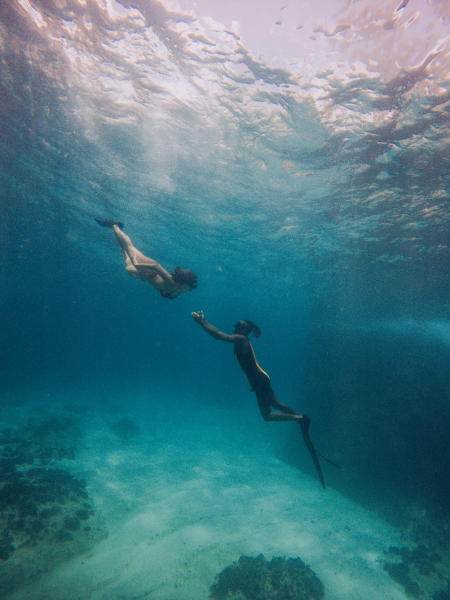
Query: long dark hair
(246, 327)
(185, 276)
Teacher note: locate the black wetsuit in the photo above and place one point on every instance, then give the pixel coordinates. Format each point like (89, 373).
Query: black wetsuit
(259, 380)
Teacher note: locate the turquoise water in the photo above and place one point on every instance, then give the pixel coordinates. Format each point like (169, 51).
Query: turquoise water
(296, 159)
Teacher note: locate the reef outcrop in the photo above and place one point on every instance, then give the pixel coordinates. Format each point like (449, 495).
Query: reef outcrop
(255, 578)
(46, 515)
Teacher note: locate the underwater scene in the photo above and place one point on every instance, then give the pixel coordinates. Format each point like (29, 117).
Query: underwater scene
(224, 275)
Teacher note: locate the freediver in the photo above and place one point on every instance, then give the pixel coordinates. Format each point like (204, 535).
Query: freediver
(169, 285)
(270, 407)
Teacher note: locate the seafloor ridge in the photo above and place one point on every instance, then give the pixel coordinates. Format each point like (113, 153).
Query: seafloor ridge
(173, 494)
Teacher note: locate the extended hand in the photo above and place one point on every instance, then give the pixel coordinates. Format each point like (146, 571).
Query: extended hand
(198, 316)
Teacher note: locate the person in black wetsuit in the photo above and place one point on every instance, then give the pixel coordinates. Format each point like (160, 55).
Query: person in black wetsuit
(169, 285)
(270, 407)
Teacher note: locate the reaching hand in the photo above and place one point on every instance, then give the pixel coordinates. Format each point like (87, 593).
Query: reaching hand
(198, 316)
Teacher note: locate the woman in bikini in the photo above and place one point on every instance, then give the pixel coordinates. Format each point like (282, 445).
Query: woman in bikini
(169, 285)
(270, 407)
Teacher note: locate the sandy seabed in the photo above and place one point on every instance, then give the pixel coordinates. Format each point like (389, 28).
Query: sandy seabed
(183, 500)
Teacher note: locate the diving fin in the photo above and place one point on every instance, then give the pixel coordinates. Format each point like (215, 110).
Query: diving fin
(109, 223)
(304, 425)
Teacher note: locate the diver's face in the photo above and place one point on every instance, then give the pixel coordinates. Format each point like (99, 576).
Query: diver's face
(242, 328)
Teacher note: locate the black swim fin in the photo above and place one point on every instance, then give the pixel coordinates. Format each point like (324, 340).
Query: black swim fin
(304, 425)
(109, 223)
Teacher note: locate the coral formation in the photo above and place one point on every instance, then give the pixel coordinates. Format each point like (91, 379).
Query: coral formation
(254, 578)
(39, 443)
(45, 512)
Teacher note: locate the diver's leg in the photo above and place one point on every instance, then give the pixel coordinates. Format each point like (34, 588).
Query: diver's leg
(284, 408)
(267, 399)
(280, 416)
(133, 257)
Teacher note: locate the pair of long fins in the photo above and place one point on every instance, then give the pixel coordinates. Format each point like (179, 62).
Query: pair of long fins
(304, 426)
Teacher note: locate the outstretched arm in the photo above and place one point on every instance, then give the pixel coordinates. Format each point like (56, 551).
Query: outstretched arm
(199, 317)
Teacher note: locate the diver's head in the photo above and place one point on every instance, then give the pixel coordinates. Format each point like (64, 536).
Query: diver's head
(185, 278)
(246, 327)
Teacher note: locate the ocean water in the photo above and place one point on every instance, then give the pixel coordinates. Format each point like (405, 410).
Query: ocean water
(295, 157)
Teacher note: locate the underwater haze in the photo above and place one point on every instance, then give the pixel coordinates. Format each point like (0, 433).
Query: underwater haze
(295, 156)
